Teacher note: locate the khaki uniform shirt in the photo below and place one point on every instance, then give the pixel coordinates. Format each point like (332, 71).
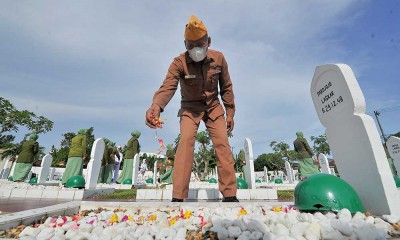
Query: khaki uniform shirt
(302, 148)
(199, 83)
(78, 146)
(29, 149)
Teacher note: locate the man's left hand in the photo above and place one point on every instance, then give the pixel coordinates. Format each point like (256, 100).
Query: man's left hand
(229, 124)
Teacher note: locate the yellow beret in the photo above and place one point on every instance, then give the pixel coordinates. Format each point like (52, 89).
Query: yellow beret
(195, 29)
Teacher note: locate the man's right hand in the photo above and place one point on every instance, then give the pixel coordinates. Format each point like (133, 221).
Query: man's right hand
(152, 113)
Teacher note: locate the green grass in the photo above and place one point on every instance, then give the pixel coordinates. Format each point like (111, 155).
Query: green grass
(131, 194)
(286, 195)
(119, 194)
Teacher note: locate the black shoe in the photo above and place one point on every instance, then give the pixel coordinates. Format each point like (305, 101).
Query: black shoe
(176, 200)
(230, 199)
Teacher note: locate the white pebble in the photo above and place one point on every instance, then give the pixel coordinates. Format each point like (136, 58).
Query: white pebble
(369, 231)
(86, 227)
(313, 231)
(58, 237)
(344, 215)
(243, 237)
(239, 223)
(319, 216)
(234, 231)
(46, 233)
(254, 225)
(29, 231)
(305, 217)
(392, 218)
(280, 230)
(330, 215)
(180, 234)
(298, 229)
(256, 235)
(74, 234)
(370, 219)
(343, 227)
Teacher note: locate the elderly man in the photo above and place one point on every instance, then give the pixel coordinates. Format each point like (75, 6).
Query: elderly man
(199, 71)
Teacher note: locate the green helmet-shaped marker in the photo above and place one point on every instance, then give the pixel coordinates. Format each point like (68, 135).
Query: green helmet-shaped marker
(241, 183)
(75, 182)
(278, 181)
(325, 192)
(258, 181)
(127, 181)
(33, 180)
(212, 180)
(149, 180)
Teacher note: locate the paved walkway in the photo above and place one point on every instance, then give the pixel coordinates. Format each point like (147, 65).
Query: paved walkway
(16, 205)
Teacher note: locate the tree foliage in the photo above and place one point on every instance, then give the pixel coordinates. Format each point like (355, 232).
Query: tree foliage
(11, 119)
(320, 145)
(272, 161)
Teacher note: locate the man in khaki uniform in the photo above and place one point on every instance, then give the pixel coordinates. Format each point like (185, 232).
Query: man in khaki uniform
(199, 71)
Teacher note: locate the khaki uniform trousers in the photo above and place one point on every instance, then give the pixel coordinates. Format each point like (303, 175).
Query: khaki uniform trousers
(185, 153)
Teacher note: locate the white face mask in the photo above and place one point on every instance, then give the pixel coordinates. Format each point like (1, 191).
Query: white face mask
(198, 53)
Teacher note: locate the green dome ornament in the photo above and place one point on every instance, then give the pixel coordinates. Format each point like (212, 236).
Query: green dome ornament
(149, 180)
(33, 180)
(75, 182)
(212, 180)
(325, 192)
(127, 181)
(278, 181)
(258, 181)
(241, 183)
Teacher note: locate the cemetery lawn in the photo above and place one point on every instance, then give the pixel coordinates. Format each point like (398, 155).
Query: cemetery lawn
(287, 195)
(118, 194)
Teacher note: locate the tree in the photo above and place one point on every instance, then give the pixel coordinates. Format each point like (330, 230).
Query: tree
(10, 121)
(283, 150)
(203, 156)
(272, 161)
(320, 145)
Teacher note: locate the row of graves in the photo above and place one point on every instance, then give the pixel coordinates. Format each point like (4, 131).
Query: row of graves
(363, 203)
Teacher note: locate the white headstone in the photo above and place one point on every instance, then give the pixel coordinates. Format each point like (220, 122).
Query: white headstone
(6, 169)
(13, 167)
(354, 138)
(393, 145)
(289, 172)
(52, 172)
(93, 167)
(135, 172)
(249, 167)
(323, 162)
(266, 178)
(155, 172)
(44, 172)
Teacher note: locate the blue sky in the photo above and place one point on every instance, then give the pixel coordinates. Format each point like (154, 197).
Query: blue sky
(98, 63)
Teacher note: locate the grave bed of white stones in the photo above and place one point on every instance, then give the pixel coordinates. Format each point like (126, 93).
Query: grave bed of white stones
(197, 220)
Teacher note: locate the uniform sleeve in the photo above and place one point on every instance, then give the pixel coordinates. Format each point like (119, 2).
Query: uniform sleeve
(35, 148)
(226, 90)
(308, 148)
(169, 86)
